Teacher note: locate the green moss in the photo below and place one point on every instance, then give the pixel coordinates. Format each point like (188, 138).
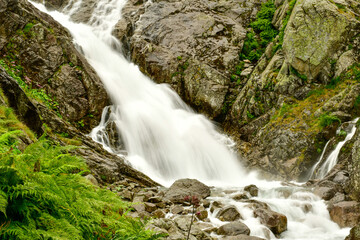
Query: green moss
(28, 27)
(249, 115)
(333, 82)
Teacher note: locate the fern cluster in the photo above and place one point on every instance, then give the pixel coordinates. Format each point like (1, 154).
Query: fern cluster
(43, 195)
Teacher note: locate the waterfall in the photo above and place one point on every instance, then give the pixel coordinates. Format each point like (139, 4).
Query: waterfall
(331, 160)
(166, 140)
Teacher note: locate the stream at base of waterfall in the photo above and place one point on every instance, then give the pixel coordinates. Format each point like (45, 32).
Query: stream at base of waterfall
(166, 140)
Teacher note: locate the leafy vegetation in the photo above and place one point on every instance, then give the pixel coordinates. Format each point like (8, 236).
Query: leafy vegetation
(328, 119)
(44, 196)
(264, 32)
(257, 39)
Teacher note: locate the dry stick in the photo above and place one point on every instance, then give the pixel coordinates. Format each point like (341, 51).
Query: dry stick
(192, 220)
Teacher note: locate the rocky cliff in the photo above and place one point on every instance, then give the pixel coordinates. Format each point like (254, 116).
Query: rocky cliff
(53, 89)
(283, 97)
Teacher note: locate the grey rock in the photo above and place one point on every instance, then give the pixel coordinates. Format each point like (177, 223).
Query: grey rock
(276, 222)
(252, 189)
(229, 213)
(233, 229)
(346, 214)
(242, 237)
(92, 179)
(186, 187)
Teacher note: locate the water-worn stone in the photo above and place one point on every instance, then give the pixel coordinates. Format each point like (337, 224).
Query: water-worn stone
(177, 209)
(215, 205)
(229, 213)
(186, 187)
(233, 229)
(240, 196)
(252, 189)
(242, 237)
(346, 214)
(276, 222)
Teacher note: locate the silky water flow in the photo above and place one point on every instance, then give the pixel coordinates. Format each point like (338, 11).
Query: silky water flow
(166, 140)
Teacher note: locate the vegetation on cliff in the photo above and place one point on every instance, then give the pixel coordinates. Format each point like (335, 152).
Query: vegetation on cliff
(43, 194)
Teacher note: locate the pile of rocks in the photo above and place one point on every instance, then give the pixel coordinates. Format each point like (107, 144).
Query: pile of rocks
(172, 213)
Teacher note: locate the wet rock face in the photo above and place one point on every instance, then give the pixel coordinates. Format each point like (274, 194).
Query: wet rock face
(43, 49)
(228, 214)
(276, 222)
(189, 44)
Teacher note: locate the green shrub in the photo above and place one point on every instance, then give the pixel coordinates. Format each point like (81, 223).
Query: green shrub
(326, 120)
(264, 32)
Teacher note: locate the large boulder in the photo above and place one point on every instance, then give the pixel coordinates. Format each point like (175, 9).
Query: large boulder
(311, 22)
(346, 214)
(192, 45)
(186, 187)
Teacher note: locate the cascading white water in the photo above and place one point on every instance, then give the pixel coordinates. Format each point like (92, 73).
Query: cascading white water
(331, 160)
(167, 140)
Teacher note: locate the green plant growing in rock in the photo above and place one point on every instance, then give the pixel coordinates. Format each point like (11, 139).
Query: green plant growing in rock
(326, 120)
(263, 33)
(28, 28)
(249, 115)
(296, 73)
(15, 71)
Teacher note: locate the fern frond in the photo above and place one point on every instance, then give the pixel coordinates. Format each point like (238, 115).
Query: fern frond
(3, 202)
